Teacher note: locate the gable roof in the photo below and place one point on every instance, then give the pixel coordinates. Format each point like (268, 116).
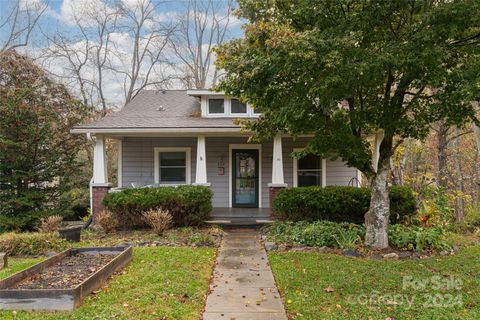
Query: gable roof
(158, 111)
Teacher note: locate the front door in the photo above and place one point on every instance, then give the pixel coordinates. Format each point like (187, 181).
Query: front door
(245, 186)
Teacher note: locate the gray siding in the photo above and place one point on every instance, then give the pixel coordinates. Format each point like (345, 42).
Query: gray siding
(138, 163)
(338, 174)
(218, 149)
(138, 157)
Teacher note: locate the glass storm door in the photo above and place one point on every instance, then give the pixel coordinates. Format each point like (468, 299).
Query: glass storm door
(245, 178)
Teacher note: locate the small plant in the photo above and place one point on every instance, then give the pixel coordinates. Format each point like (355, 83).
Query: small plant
(159, 220)
(106, 220)
(347, 239)
(198, 238)
(472, 218)
(50, 224)
(416, 238)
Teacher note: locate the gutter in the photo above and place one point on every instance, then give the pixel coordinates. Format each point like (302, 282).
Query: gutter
(158, 130)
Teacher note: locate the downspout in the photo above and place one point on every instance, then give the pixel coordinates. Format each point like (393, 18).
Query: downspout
(90, 219)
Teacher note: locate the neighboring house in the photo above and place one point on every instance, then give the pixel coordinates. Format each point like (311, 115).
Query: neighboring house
(189, 137)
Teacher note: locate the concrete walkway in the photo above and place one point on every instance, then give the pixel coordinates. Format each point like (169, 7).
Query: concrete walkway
(243, 286)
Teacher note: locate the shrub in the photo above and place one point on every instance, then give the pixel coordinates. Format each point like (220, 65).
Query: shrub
(340, 204)
(21, 222)
(188, 205)
(106, 220)
(75, 203)
(317, 234)
(416, 238)
(472, 218)
(31, 243)
(159, 220)
(50, 224)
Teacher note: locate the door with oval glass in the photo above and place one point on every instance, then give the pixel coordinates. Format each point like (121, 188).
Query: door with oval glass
(245, 182)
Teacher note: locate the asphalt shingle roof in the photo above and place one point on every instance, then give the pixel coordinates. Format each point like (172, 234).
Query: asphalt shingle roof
(152, 109)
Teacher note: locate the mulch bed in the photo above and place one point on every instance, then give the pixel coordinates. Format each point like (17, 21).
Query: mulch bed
(67, 273)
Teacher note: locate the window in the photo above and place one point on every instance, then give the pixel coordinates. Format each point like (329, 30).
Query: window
(172, 166)
(308, 171)
(216, 106)
(219, 106)
(238, 107)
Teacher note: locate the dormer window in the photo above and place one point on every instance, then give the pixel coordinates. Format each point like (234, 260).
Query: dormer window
(237, 107)
(216, 106)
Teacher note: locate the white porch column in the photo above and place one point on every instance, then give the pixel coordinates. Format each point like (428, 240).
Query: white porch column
(99, 161)
(201, 171)
(277, 163)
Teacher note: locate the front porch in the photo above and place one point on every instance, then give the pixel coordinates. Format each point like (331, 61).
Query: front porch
(244, 177)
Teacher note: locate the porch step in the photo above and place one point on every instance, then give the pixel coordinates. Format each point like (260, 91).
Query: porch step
(237, 222)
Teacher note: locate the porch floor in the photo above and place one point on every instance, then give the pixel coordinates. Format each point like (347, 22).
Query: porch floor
(239, 216)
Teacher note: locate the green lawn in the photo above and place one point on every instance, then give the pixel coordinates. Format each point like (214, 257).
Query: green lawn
(159, 283)
(357, 286)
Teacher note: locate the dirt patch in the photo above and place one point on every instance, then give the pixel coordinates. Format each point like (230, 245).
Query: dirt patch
(67, 273)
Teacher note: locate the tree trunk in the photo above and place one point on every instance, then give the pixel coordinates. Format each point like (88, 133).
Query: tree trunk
(442, 142)
(377, 216)
(460, 210)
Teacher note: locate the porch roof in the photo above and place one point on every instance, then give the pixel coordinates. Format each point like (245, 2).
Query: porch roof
(159, 111)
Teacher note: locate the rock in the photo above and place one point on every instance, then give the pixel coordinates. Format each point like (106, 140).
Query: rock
(3, 260)
(126, 244)
(351, 253)
(50, 254)
(444, 253)
(202, 244)
(323, 249)
(392, 255)
(282, 247)
(297, 249)
(455, 248)
(269, 246)
(404, 255)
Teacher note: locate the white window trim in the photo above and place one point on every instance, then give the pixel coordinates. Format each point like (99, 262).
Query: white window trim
(230, 169)
(188, 164)
(227, 109)
(295, 170)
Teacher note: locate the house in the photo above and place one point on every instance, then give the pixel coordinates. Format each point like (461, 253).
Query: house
(177, 137)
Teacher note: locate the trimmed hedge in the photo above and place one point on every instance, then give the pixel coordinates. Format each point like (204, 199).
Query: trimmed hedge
(340, 204)
(188, 205)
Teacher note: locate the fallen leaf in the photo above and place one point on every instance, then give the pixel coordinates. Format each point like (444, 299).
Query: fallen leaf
(329, 289)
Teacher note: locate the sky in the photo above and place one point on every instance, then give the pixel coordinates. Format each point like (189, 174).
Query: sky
(58, 20)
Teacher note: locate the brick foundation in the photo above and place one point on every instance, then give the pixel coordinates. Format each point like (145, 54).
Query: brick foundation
(273, 190)
(98, 193)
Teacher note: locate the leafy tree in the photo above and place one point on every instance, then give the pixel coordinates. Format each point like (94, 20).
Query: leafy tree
(36, 147)
(344, 70)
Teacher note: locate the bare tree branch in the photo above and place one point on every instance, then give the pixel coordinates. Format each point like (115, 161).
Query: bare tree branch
(205, 25)
(20, 23)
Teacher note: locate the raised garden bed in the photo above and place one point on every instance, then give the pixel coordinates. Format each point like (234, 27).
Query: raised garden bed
(61, 282)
